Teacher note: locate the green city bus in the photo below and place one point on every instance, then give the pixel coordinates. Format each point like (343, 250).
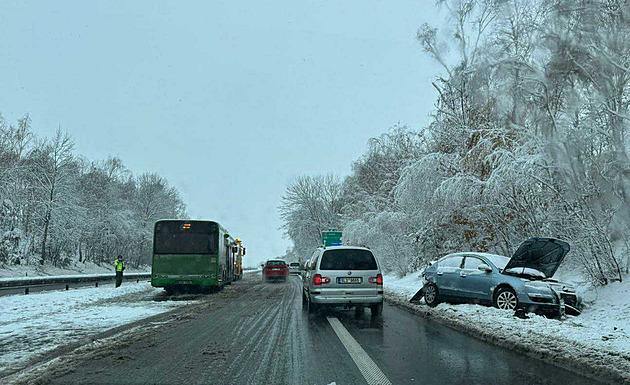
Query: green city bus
(191, 254)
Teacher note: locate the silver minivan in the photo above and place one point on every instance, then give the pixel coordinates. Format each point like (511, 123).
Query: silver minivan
(347, 276)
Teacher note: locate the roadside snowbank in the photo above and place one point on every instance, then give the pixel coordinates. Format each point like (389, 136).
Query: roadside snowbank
(10, 271)
(39, 322)
(596, 344)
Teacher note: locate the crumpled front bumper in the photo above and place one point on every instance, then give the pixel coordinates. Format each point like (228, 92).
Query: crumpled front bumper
(555, 303)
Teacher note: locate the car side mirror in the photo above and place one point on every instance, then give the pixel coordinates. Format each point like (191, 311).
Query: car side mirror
(485, 268)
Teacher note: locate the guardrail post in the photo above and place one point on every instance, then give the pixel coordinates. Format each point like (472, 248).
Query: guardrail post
(96, 284)
(67, 287)
(26, 290)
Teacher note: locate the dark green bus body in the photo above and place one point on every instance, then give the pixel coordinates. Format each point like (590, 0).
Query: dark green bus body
(191, 254)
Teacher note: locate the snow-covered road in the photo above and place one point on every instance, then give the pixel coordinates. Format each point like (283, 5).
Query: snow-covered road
(34, 324)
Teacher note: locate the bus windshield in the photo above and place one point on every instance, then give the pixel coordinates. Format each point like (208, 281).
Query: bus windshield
(181, 237)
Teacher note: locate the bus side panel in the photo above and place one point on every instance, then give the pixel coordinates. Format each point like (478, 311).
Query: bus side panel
(173, 269)
(221, 256)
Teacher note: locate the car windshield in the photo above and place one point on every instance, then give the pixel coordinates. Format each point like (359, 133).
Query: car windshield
(348, 259)
(498, 260)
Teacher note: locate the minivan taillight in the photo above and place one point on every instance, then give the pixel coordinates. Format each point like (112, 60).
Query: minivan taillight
(319, 280)
(378, 280)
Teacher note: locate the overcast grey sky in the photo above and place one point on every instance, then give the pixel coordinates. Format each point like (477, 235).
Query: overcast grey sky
(229, 100)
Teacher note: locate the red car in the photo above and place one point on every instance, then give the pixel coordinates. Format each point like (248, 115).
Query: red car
(275, 269)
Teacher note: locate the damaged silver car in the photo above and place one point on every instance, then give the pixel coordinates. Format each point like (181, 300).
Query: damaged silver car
(522, 282)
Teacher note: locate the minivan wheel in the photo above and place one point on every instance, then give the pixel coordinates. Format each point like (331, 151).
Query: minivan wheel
(312, 307)
(377, 309)
(431, 295)
(505, 298)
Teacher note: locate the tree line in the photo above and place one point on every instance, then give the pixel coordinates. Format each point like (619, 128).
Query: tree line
(529, 137)
(60, 208)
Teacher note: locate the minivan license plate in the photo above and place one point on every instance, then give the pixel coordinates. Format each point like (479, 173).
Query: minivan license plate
(349, 280)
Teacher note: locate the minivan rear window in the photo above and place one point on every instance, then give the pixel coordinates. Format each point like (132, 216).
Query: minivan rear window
(348, 259)
(276, 263)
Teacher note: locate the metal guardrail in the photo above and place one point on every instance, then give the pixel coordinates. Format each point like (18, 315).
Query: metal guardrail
(35, 281)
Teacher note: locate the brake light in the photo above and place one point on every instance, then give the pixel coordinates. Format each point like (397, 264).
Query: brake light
(378, 280)
(319, 280)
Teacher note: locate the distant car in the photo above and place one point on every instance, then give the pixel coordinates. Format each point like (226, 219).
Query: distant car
(343, 276)
(521, 282)
(275, 269)
(294, 268)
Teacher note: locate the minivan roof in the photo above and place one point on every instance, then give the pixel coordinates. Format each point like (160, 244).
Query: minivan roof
(346, 248)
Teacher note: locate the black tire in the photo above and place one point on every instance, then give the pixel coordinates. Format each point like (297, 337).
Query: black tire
(312, 307)
(432, 295)
(377, 309)
(505, 298)
(304, 301)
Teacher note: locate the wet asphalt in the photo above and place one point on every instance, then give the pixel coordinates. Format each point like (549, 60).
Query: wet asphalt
(259, 334)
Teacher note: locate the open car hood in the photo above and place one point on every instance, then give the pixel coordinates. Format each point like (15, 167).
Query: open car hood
(542, 254)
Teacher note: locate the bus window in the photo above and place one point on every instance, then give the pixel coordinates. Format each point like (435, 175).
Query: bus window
(181, 237)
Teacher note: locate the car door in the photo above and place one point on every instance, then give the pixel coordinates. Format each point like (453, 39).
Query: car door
(474, 283)
(447, 275)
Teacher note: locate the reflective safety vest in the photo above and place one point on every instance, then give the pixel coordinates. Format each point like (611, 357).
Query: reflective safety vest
(119, 265)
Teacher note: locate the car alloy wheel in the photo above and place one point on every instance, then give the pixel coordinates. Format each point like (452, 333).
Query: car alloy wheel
(431, 295)
(507, 300)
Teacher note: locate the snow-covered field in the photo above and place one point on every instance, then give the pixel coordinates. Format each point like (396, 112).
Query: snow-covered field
(40, 322)
(8, 271)
(600, 336)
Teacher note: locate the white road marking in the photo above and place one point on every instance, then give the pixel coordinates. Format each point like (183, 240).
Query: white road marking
(372, 374)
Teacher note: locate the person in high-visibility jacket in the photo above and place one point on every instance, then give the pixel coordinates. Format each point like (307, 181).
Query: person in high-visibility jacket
(119, 266)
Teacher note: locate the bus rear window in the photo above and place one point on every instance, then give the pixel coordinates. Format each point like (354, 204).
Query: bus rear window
(180, 237)
(348, 259)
